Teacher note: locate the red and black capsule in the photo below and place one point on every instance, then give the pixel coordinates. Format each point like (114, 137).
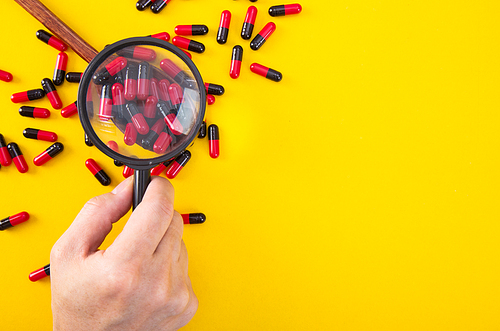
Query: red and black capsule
(237, 57)
(97, 171)
(105, 75)
(169, 114)
(283, 10)
(27, 95)
(60, 69)
(106, 103)
(214, 89)
(17, 157)
(188, 44)
(130, 83)
(182, 78)
(179, 163)
(150, 138)
(88, 142)
(40, 273)
(48, 154)
(225, 21)
(203, 130)
(114, 146)
(14, 220)
(193, 218)
(5, 158)
(143, 4)
(175, 94)
(248, 24)
(74, 77)
(143, 82)
(191, 30)
(40, 134)
(52, 94)
(134, 116)
(127, 172)
(157, 171)
(213, 141)
(162, 143)
(51, 40)
(130, 134)
(263, 71)
(34, 112)
(161, 35)
(117, 93)
(5, 76)
(210, 99)
(69, 110)
(138, 52)
(159, 5)
(262, 36)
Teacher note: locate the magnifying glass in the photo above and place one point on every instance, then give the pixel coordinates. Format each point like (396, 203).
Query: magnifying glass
(141, 94)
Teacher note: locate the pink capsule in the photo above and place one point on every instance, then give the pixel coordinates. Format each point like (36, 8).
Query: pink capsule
(161, 144)
(130, 135)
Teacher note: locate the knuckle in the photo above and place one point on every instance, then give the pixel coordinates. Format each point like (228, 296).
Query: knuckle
(180, 301)
(95, 203)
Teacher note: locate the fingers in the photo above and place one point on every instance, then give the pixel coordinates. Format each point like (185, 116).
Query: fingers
(170, 246)
(95, 220)
(148, 223)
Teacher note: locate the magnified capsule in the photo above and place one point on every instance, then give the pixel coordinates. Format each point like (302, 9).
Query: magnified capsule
(210, 99)
(283, 10)
(162, 35)
(203, 130)
(179, 163)
(193, 218)
(187, 53)
(88, 142)
(213, 140)
(104, 75)
(27, 96)
(188, 44)
(69, 110)
(74, 77)
(266, 72)
(150, 138)
(138, 52)
(162, 142)
(40, 273)
(170, 116)
(143, 4)
(114, 146)
(177, 74)
(130, 134)
(40, 134)
(14, 220)
(127, 172)
(106, 103)
(17, 157)
(5, 76)
(163, 89)
(214, 89)
(248, 24)
(150, 107)
(175, 94)
(117, 93)
(234, 70)
(48, 154)
(159, 5)
(34, 112)
(153, 88)
(60, 69)
(130, 82)
(191, 30)
(51, 92)
(51, 40)
(133, 115)
(225, 21)
(143, 81)
(5, 158)
(263, 35)
(97, 171)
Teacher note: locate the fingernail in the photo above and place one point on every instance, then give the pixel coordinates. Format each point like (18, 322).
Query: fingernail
(121, 186)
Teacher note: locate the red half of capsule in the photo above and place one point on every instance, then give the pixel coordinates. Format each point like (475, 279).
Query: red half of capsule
(169, 67)
(127, 172)
(163, 89)
(17, 157)
(251, 15)
(27, 95)
(54, 99)
(116, 65)
(173, 124)
(175, 94)
(69, 110)
(113, 145)
(162, 142)
(143, 53)
(5, 158)
(267, 30)
(19, 218)
(5, 76)
(57, 44)
(130, 135)
(210, 99)
(225, 19)
(97, 171)
(234, 70)
(62, 61)
(143, 88)
(156, 171)
(40, 273)
(162, 35)
(106, 103)
(40, 134)
(117, 94)
(150, 107)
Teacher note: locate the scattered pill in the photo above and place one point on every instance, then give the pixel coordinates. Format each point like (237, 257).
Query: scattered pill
(97, 171)
(51, 40)
(5, 158)
(203, 130)
(191, 30)
(127, 172)
(266, 72)
(143, 82)
(14, 220)
(159, 5)
(40, 134)
(34, 112)
(48, 154)
(210, 99)
(27, 96)
(213, 141)
(88, 142)
(69, 110)
(74, 77)
(138, 52)
(283, 10)
(179, 163)
(225, 21)
(161, 35)
(143, 4)
(262, 36)
(17, 157)
(236, 59)
(214, 89)
(248, 24)
(5, 76)
(40, 273)
(193, 218)
(51, 92)
(60, 69)
(188, 44)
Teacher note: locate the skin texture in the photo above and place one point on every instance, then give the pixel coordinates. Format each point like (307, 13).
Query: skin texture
(140, 282)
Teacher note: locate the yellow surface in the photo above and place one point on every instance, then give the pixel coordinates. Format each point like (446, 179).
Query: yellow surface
(360, 193)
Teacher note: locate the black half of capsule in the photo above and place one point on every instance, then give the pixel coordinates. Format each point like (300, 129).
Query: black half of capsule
(274, 75)
(58, 76)
(144, 70)
(27, 111)
(184, 80)
(165, 108)
(102, 77)
(103, 178)
(127, 52)
(253, 0)
(55, 149)
(196, 46)
(183, 158)
(149, 139)
(222, 35)
(215, 89)
(199, 30)
(213, 132)
(247, 30)
(2, 141)
(31, 133)
(35, 94)
(48, 86)
(197, 218)
(257, 42)
(237, 53)
(73, 77)
(87, 141)
(43, 36)
(143, 4)
(158, 6)
(14, 150)
(118, 163)
(5, 223)
(203, 130)
(130, 111)
(277, 10)
(131, 72)
(46, 269)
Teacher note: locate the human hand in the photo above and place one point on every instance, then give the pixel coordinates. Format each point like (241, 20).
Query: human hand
(140, 282)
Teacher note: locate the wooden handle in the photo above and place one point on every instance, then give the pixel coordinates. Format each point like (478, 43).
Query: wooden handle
(58, 28)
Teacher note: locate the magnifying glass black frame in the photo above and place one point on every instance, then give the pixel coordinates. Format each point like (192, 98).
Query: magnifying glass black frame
(142, 167)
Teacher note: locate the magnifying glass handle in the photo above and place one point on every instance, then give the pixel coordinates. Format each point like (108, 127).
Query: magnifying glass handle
(141, 182)
(57, 27)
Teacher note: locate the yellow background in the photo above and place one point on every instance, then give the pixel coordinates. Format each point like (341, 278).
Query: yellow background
(360, 193)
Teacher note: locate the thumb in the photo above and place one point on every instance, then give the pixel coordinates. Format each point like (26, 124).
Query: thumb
(95, 220)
